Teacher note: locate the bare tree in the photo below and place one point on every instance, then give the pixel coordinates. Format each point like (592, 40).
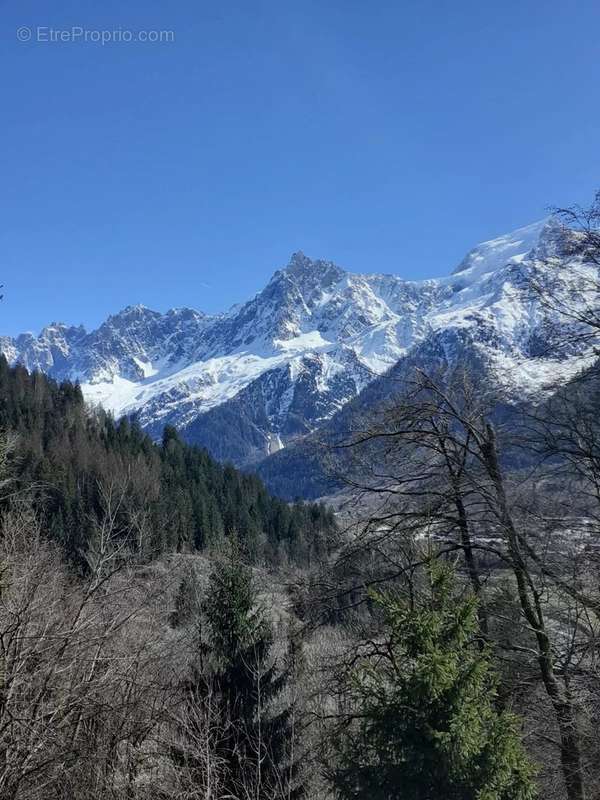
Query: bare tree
(87, 671)
(565, 280)
(437, 476)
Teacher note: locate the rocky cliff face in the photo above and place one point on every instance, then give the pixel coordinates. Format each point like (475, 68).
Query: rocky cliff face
(251, 381)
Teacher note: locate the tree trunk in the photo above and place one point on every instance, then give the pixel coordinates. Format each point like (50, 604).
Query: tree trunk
(570, 754)
(471, 563)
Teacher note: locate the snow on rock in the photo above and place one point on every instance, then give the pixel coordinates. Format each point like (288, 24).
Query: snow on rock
(321, 333)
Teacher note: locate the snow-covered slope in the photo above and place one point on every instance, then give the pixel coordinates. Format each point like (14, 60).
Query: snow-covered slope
(288, 359)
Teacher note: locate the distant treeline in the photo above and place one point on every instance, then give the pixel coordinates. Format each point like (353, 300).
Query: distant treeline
(84, 467)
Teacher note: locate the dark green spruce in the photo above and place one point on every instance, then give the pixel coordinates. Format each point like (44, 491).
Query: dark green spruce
(168, 496)
(252, 712)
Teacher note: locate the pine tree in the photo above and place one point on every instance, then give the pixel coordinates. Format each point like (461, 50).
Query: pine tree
(426, 726)
(255, 736)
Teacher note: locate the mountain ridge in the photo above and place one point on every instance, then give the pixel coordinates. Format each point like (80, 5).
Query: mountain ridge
(305, 345)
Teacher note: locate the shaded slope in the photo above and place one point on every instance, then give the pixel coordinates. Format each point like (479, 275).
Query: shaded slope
(75, 464)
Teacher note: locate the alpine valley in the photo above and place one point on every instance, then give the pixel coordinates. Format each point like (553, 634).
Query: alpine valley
(262, 376)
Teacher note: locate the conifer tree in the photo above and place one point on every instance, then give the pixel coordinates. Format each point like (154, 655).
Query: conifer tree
(425, 723)
(255, 735)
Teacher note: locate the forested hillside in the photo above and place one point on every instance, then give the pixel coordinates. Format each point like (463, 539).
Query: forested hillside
(81, 464)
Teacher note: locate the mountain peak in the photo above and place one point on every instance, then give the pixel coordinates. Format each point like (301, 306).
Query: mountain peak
(495, 253)
(137, 309)
(298, 259)
(308, 273)
(299, 264)
(132, 315)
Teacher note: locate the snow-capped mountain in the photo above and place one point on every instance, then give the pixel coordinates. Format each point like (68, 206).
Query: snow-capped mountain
(250, 381)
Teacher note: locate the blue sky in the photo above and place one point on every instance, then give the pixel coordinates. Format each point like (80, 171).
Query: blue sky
(389, 136)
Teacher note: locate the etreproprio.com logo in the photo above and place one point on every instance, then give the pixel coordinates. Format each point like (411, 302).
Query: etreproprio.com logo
(77, 33)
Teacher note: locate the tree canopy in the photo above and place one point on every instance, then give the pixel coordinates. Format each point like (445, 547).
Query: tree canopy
(163, 497)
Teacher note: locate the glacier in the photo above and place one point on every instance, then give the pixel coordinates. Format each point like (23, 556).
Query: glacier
(313, 338)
